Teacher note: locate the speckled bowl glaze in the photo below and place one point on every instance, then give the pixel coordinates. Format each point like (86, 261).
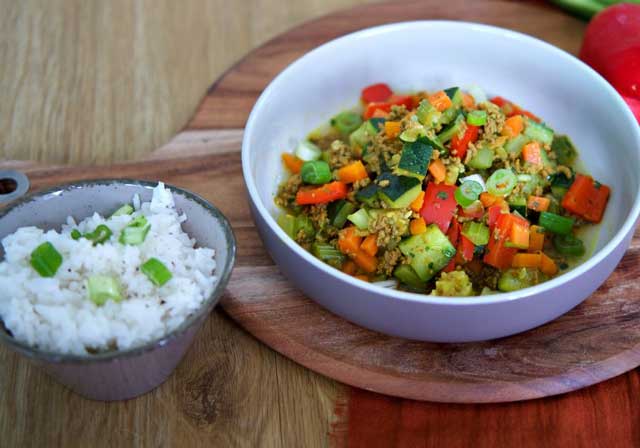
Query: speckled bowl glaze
(123, 374)
(411, 56)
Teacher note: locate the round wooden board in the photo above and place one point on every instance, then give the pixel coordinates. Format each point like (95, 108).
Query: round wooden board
(594, 342)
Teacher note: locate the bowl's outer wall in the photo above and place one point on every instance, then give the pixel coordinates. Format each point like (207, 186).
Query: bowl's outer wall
(131, 375)
(567, 94)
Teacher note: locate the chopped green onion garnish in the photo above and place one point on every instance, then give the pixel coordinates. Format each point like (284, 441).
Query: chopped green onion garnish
(568, 245)
(501, 182)
(315, 172)
(477, 117)
(156, 271)
(467, 193)
(100, 234)
(307, 151)
(477, 232)
(75, 234)
(126, 209)
(46, 260)
(556, 223)
(135, 232)
(346, 122)
(102, 288)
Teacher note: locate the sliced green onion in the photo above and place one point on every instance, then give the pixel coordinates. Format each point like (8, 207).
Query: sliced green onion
(126, 209)
(501, 182)
(467, 193)
(100, 234)
(75, 234)
(308, 151)
(477, 178)
(477, 117)
(102, 288)
(156, 271)
(556, 223)
(346, 122)
(328, 254)
(46, 260)
(568, 245)
(360, 219)
(477, 232)
(315, 172)
(135, 232)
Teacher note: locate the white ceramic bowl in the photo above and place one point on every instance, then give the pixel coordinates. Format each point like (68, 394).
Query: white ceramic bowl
(570, 96)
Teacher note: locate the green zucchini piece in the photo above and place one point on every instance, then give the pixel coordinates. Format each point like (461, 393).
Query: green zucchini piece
(377, 123)
(538, 132)
(360, 218)
(428, 116)
(361, 136)
(514, 279)
(400, 191)
(429, 252)
(565, 150)
(482, 159)
(453, 129)
(415, 158)
(346, 122)
(405, 274)
(338, 211)
(515, 145)
(368, 194)
(288, 223)
(455, 95)
(412, 134)
(518, 204)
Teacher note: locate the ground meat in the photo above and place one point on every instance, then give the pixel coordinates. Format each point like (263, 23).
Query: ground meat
(318, 215)
(482, 275)
(340, 154)
(389, 226)
(388, 261)
(287, 191)
(494, 124)
(397, 113)
(360, 184)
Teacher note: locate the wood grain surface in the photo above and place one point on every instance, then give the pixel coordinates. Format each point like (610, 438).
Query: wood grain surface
(232, 391)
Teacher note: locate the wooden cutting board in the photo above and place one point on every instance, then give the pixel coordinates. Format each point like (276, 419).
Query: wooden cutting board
(595, 341)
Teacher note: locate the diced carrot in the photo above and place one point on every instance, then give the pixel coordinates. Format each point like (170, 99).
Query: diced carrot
(536, 238)
(467, 100)
(348, 241)
(586, 198)
(531, 153)
(488, 199)
(417, 226)
(547, 265)
(440, 100)
(527, 261)
(513, 126)
(538, 203)
(292, 163)
(392, 128)
(438, 171)
(369, 245)
(497, 254)
(416, 205)
(322, 194)
(365, 261)
(353, 172)
(362, 277)
(519, 235)
(349, 267)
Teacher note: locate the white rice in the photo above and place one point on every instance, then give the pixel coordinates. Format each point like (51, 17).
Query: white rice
(55, 314)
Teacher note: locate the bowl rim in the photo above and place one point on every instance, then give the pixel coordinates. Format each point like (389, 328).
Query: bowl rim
(517, 37)
(223, 275)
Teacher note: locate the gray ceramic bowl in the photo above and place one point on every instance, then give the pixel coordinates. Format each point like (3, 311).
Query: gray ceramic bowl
(124, 374)
(569, 95)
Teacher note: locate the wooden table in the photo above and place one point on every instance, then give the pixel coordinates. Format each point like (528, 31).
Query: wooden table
(232, 389)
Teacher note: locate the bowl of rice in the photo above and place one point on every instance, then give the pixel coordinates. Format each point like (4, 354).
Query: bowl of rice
(105, 283)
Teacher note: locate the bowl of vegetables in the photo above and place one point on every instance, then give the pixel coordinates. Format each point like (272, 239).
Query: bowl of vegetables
(446, 197)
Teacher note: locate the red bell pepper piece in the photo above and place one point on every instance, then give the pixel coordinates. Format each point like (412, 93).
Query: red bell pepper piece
(586, 198)
(322, 194)
(401, 100)
(372, 108)
(494, 213)
(497, 254)
(510, 109)
(394, 100)
(439, 205)
(465, 250)
(454, 232)
(376, 93)
(459, 145)
(474, 211)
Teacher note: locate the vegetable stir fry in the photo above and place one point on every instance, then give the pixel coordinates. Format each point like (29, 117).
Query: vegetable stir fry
(447, 192)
